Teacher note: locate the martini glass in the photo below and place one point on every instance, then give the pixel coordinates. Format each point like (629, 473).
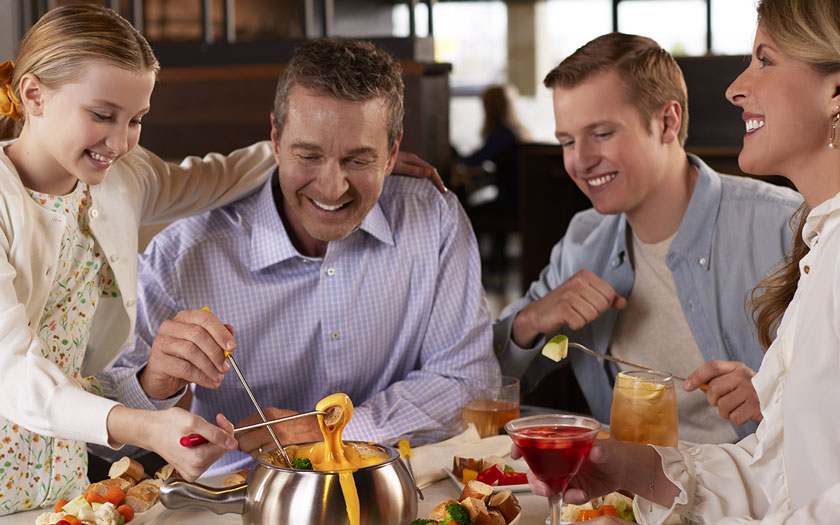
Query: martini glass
(554, 446)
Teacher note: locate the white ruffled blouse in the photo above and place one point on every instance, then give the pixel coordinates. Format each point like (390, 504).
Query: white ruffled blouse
(789, 470)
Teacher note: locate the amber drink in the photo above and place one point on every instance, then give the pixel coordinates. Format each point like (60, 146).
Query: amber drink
(644, 409)
(489, 405)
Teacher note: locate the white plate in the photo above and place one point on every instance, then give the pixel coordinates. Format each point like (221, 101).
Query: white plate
(150, 515)
(518, 465)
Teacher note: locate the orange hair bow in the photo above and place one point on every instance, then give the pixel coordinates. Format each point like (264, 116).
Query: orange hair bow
(9, 103)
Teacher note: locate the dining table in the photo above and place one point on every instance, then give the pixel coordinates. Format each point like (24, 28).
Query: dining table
(534, 509)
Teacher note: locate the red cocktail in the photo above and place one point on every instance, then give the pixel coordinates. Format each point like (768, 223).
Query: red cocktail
(554, 446)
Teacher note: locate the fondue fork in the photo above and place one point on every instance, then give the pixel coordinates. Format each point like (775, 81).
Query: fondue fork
(229, 356)
(197, 439)
(405, 452)
(593, 353)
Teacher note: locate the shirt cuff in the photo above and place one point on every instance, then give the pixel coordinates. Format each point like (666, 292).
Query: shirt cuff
(679, 472)
(75, 414)
(132, 395)
(513, 359)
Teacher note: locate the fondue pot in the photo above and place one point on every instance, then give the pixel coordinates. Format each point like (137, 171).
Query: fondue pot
(280, 495)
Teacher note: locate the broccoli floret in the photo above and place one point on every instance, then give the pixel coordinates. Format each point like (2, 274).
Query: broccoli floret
(301, 464)
(456, 514)
(421, 521)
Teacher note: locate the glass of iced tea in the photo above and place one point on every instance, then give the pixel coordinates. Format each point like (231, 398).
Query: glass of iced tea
(644, 409)
(554, 446)
(489, 404)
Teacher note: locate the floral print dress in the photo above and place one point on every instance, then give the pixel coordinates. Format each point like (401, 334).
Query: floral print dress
(36, 470)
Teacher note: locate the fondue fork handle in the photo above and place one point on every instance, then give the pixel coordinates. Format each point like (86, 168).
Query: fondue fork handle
(197, 439)
(405, 452)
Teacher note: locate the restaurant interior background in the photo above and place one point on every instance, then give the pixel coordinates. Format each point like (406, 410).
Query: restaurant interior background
(221, 59)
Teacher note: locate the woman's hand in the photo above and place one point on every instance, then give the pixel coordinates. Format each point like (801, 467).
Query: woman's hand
(161, 431)
(604, 470)
(413, 166)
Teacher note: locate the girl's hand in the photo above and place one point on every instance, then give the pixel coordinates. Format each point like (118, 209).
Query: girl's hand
(191, 462)
(161, 432)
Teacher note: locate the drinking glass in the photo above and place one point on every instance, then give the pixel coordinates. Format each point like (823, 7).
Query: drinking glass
(489, 404)
(644, 409)
(554, 447)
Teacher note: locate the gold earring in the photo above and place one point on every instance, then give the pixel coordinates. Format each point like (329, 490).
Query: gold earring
(832, 136)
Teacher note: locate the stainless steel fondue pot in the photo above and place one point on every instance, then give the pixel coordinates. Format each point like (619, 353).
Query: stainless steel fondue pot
(279, 495)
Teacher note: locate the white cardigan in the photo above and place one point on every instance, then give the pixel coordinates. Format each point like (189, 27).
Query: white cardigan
(139, 189)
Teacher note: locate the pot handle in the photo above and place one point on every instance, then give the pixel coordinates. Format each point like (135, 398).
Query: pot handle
(182, 494)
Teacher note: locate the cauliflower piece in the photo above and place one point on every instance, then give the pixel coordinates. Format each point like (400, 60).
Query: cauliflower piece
(49, 518)
(107, 515)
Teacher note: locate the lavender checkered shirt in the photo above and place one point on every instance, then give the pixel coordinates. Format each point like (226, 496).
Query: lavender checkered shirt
(394, 315)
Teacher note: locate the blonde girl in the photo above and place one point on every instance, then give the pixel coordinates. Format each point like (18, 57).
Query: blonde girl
(74, 190)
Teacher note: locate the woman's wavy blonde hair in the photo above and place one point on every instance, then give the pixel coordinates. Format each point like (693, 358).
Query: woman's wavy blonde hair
(809, 31)
(55, 48)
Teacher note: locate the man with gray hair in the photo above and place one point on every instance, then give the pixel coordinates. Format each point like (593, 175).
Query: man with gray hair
(336, 277)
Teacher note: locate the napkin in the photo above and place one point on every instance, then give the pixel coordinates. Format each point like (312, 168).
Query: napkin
(428, 461)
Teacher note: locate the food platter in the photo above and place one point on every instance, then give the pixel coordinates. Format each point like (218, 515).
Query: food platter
(518, 465)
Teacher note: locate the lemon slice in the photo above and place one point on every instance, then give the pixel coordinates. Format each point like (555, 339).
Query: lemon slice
(557, 348)
(635, 389)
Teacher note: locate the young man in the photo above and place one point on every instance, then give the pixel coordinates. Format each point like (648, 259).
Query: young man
(336, 277)
(658, 272)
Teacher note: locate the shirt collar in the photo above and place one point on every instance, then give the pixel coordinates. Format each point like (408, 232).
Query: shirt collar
(821, 220)
(271, 244)
(694, 236)
(696, 231)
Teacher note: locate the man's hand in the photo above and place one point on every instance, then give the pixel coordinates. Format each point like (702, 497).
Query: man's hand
(413, 166)
(295, 431)
(576, 302)
(188, 349)
(730, 389)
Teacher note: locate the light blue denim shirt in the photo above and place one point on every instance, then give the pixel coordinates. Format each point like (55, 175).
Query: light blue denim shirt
(734, 231)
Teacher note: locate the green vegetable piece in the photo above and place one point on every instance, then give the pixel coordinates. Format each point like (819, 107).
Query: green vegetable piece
(557, 348)
(456, 514)
(421, 521)
(73, 506)
(302, 464)
(508, 468)
(625, 511)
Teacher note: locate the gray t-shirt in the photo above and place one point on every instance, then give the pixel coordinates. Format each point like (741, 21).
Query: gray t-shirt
(652, 330)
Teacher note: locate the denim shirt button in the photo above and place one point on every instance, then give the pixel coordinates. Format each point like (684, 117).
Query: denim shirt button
(702, 261)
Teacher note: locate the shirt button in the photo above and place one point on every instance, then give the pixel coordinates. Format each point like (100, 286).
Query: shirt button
(335, 335)
(130, 302)
(94, 213)
(806, 269)
(615, 263)
(330, 271)
(115, 258)
(691, 305)
(702, 261)
(47, 273)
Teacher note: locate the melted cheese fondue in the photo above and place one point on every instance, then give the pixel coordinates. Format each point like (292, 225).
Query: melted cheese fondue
(333, 454)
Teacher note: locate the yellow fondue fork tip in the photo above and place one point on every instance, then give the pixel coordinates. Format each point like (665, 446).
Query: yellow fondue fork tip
(227, 353)
(405, 449)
